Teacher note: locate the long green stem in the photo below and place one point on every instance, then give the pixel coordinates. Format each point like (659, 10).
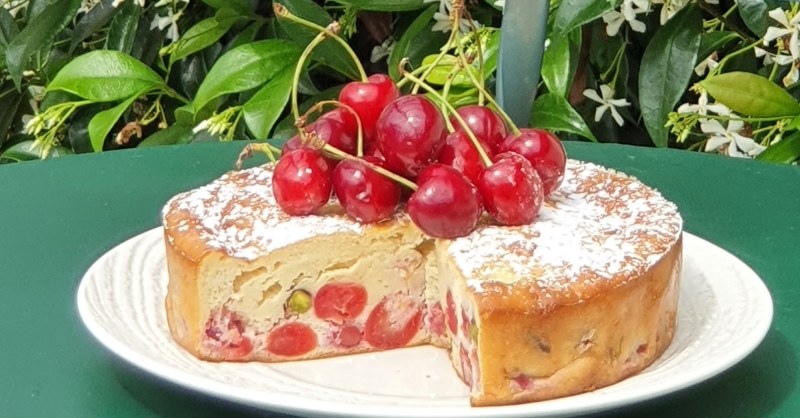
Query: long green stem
(446, 47)
(514, 129)
(336, 152)
(298, 69)
(281, 11)
(481, 152)
(733, 54)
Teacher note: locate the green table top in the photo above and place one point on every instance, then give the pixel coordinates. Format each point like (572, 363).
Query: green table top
(59, 216)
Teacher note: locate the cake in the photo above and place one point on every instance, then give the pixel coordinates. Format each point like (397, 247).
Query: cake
(582, 298)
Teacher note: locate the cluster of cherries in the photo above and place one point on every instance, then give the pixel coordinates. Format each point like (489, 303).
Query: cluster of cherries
(406, 135)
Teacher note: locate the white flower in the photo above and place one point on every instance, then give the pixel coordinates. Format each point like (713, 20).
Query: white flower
(769, 58)
(708, 64)
(702, 107)
(117, 3)
(382, 51)
(500, 4)
(792, 77)
(14, 6)
(738, 145)
(442, 18)
(169, 21)
(627, 13)
(607, 101)
(791, 28)
(671, 7)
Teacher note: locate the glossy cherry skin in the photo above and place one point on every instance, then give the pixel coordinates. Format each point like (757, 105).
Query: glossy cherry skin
(446, 204)
(410, 133)
(301, 181)
(346, 118)
(545, 153)
(365, 195)
(485, 123)
(369, 99)
(330, 130)
(511, 189)
(459, 152)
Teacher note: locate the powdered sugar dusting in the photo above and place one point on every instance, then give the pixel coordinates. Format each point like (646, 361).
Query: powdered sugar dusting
(600, 224)
(237, 214)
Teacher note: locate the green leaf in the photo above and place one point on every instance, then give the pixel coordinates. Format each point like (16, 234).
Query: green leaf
(38, 34)
(751, 94)
(10, 105)
(572, 14)
(794, 124)
(101, 123)
(105, 76)
(199, 36)
(401, 48)
(24, 151)
(122, 31)
(8, 30)
(329, 52)
(244, 68)
(552, 111)
(754, 15)
(91, 22)
(438, 75)
(246, 36)
(560, 61)
(265, 107)
(241, 6)
(786, 151)
(667, 66)
(713, 41)
(175, 134)
(384, 5)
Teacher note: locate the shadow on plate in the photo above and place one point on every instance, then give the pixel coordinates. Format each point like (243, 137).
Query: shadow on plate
(756, 387)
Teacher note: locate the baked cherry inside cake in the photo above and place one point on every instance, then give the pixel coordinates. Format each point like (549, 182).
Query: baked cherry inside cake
(581, 298)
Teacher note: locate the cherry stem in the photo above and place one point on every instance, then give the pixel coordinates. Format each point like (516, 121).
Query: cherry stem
(331, 31)
(263, 147)
(445, 92)
(417, 71)
(296, 78)
(319, 105)
(417, 82)
(481, 88)
(337, 153)
(446, 47)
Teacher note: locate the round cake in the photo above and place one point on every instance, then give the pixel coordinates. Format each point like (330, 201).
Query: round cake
(581, 298)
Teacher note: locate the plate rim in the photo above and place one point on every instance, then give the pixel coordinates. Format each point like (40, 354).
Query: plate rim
(297, 405)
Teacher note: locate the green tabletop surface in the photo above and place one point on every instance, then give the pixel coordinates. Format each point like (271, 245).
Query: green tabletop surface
(58, 216)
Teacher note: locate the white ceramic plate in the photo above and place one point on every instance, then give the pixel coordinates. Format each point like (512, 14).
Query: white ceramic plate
(724, 313)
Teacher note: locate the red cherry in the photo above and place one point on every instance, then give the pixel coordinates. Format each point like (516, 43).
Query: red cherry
(452, 322)
(346, 118)
(291, 340)
(485, 123)
(364, 194)
(393, 322)
(339, 302)
(225, 331)
(301, 182)
(410, 133)
(435, 319)
(348, 336)
(544, 151)
(445, 204)
(511, 190)
(369, 99)
(465, 322)
(466, 366)
(330, 130)
(459, 152)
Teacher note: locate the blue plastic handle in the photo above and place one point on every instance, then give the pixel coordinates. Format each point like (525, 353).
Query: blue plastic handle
(522, 36)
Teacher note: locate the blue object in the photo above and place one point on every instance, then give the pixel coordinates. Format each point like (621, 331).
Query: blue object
(522, 36)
